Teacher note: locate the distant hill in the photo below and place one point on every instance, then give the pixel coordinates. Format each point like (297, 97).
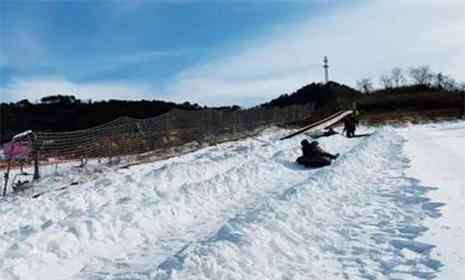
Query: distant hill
(332, 95)
(409, 99)
(413, 100)
(65, 113)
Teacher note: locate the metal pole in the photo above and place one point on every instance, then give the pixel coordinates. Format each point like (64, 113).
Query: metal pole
(6, 176)
(110, 151)
(326, 66)
(35, 150)
(36, 166)
(2, 124)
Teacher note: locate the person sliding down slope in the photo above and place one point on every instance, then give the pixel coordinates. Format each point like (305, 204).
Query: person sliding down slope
(314, 156)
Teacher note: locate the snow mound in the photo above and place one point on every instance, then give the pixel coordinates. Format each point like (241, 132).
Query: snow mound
(239, 210)
(342, 221)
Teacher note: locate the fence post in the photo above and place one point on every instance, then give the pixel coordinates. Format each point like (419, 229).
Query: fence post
(463, 116)
(36, 166)
(6, 177)
(234, 122)
(110, 150)
(288, 114)
(168, 127)
(354, 108)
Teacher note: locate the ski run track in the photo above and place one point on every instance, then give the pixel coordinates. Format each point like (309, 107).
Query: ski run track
(245, 210)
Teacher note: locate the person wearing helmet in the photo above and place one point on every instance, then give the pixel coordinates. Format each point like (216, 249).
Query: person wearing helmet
(314, 156)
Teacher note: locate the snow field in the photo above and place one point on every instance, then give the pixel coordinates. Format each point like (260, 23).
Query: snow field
(239, 210)
(153, 209)
(438, 158)
(340, 223)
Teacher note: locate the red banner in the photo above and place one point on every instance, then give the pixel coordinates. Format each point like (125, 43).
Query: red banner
(16, 151)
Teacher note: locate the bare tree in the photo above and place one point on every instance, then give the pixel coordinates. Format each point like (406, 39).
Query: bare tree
(365, 85)
(397, 77)
(450, 84)
(439, 79)
(462, 86)
(421, 75)
(386, 81)
(445, 82)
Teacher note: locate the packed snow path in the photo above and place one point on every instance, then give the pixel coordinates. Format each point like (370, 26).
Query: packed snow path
(240, 210)
(437, 154)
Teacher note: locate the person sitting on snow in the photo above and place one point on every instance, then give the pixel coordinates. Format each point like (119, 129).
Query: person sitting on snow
(330, 131)
(314, 156)
(318, 134)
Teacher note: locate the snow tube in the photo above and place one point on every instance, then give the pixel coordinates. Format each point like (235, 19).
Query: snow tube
(313, 162)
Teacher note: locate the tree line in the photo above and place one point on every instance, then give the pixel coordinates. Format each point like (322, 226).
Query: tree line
(61, 112)
(64, 112)
(419, 77)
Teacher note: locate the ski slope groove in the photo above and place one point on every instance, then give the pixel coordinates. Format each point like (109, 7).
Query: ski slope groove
(239, 210)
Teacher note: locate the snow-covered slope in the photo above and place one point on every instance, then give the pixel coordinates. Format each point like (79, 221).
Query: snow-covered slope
(241, 210)
(437, 154)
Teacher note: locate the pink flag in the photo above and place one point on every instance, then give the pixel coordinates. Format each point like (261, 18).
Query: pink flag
(16, 151)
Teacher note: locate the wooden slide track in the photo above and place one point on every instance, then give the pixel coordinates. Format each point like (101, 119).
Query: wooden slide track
(321, 124)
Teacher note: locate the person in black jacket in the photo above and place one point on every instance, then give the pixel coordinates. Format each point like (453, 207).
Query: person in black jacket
(314, 156)
(350, 125)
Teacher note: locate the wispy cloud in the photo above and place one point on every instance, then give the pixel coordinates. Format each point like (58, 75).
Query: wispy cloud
(35, 88)
(363, 41)
(147, 56)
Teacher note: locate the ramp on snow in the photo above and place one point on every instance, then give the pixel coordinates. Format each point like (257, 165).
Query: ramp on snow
(241, 210)
(323, 123)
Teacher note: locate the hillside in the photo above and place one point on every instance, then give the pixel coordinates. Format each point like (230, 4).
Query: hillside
(412, 103)
(331, 95)
(64, 113)
(405, 102)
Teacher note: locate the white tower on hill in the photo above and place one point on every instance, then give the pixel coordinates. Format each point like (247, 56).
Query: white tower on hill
(326, 67)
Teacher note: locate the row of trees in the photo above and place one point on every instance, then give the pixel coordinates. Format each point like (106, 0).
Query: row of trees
(421, 76)
(63, 112)
(71, 100)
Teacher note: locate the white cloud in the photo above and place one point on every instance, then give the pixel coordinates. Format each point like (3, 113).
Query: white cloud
(145, 56)
(219, 91)
(362, 41)
(36, 88)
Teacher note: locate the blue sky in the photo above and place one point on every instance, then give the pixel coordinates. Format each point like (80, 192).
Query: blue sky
(213, 52)
(92, 41)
